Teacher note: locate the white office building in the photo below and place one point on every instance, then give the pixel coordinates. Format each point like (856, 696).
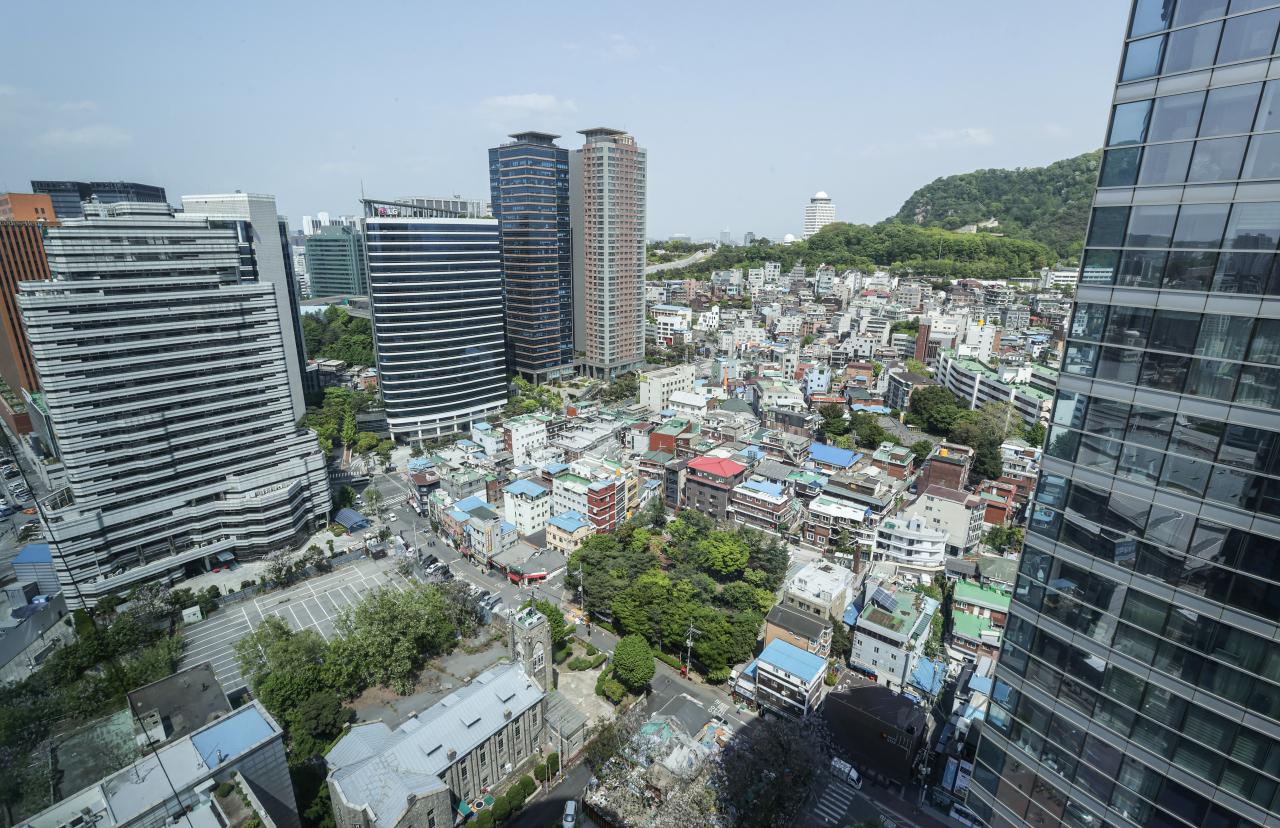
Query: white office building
(167, 386)
(526, 435)
(528, 506)
(436, 290)
(818, 214)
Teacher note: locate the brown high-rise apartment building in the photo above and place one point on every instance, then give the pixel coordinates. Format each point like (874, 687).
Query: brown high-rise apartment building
(22, 259)
(607, 201)
(26, 207)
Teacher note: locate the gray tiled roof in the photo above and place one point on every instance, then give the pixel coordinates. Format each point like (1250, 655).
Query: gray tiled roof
(380, 768)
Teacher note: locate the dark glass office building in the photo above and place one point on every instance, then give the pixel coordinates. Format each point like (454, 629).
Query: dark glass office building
(336, 262)
(435, 285)
(1139, 680)
(67, 195)
(529, 181)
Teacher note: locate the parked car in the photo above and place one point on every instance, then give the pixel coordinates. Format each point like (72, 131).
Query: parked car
(28, 511)
(570, 818)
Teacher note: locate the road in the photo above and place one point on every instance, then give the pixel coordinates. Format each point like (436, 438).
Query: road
(678, 263)
(312, 603)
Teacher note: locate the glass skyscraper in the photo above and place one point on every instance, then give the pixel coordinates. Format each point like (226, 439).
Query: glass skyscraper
(336, 262)
(1139, 681)
(529, 183)
(67, 195)
(435, 285)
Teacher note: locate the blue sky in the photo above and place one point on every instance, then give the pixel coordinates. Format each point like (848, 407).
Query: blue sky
(746, 108)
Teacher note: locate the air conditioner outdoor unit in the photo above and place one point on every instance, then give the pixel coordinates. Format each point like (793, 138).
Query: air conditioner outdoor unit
(506, 769)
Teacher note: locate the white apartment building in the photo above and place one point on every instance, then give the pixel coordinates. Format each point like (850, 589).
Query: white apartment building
(656, 387)
(826, 279)
(490, 439)
(748, 334)
(913, 543)
(708, 320)
(528, 506)
(818, 213)
(525, 436)
(978, 343)
(772, 271)
(1057, 279)
(1027, 386)
(755, 279)
(958, 513)
(822, 588)
(777, 394)
(673, 322)
(787, 325)
(726, 278)
(140, 392)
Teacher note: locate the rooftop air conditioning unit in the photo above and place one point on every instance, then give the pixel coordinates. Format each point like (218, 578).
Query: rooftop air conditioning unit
(506, 714)
(453, 754)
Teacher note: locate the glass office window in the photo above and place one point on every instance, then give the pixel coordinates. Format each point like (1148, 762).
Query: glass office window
(1107, 227)
(1176, 117)
(1099, 267)
(1129, 123)
(1265, 345)
(1165, 163)
(1174, 331)
(1120, 167)
(1142, 58)
(1128, 325)
(1088, 321)
(1192, 48)
(1201, 225)
(1230, 109)
(1248, 37)
(1263, 157)
(1187, 270)
(1269, 110)
(1195, 11)
(1253, 226)
(1245, 273)
(1118, 365)
(1151, 16)
(1217, 160)
(1141, 268)
(1151, 226)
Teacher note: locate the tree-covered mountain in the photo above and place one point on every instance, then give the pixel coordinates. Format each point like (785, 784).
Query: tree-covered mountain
(1049, 205)
(931, 253)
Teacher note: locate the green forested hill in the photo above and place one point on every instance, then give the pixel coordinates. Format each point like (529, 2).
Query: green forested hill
(1049, 204)
(928, 252)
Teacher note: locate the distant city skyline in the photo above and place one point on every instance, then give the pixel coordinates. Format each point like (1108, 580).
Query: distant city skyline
(875, 137)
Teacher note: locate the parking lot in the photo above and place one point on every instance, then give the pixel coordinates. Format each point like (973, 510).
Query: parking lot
(313, 603)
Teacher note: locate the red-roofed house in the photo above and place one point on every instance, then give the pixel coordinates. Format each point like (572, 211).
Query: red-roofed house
(708, 484)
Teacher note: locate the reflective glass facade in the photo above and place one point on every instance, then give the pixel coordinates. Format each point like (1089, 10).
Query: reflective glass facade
(1139, 679)
(436, 291)
(529, 182)
(336, 262)
(67, 195)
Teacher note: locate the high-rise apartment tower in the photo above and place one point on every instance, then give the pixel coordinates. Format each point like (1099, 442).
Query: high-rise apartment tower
(818, 213)
(607, 197)
(1139, 681)
(529, 181)
(165, 379)
(436, 289)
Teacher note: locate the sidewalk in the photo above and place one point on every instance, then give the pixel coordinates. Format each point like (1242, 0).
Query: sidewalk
(904, 813)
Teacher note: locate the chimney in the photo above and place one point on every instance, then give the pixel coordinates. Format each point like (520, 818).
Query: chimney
(453, 754)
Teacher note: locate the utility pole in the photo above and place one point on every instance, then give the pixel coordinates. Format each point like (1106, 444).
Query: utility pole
(688, 644)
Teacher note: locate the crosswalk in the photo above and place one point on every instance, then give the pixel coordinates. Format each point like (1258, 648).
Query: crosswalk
(834, 802)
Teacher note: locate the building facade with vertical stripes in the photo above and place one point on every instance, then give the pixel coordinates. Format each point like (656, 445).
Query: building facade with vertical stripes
(1139, 680)
(529, 182)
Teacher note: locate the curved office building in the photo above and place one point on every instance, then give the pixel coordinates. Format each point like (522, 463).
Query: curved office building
(436, 290)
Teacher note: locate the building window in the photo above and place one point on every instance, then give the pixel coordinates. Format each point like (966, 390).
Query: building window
(500, 743)
(517, 730)
(463, 767)
(482, 756)
(431, 819)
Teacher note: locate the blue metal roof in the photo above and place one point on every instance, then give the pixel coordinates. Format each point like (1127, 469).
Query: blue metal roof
(351, 519)
(570, 521)
(928, 676)
(981, 684)
(832, 456)
(527, 488)
(233, 735)
(771, 489)
(555, 468)
(34, 553)
(792, 659)
(506, 527)
(469, 503)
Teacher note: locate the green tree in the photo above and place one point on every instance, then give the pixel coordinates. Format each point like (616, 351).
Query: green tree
(915, 366)
(501, 808)
(553, 763)
(528, 785)
(484, 819)
(841, 643)
(516, 797)
(870, 432)
(987, 462)
(657, 512)
(633, 662)
(723, 553)
(416, 452)
(374, 498)
(276, 648)
(382, 638)
(807, 341)
(1035, 434)
(555, 619)
(922, 449)
(640, 607)
(349, 428)
(366, 441)
(345, 498)
(384, 450)
(998, 419)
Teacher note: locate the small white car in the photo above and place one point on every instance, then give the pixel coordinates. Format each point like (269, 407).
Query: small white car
(570, 818)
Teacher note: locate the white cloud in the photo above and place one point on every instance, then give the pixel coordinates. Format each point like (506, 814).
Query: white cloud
(94, 135)
(79, 106)
(5, 89)
(531, 102)
(620, 48)
(955, 137)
